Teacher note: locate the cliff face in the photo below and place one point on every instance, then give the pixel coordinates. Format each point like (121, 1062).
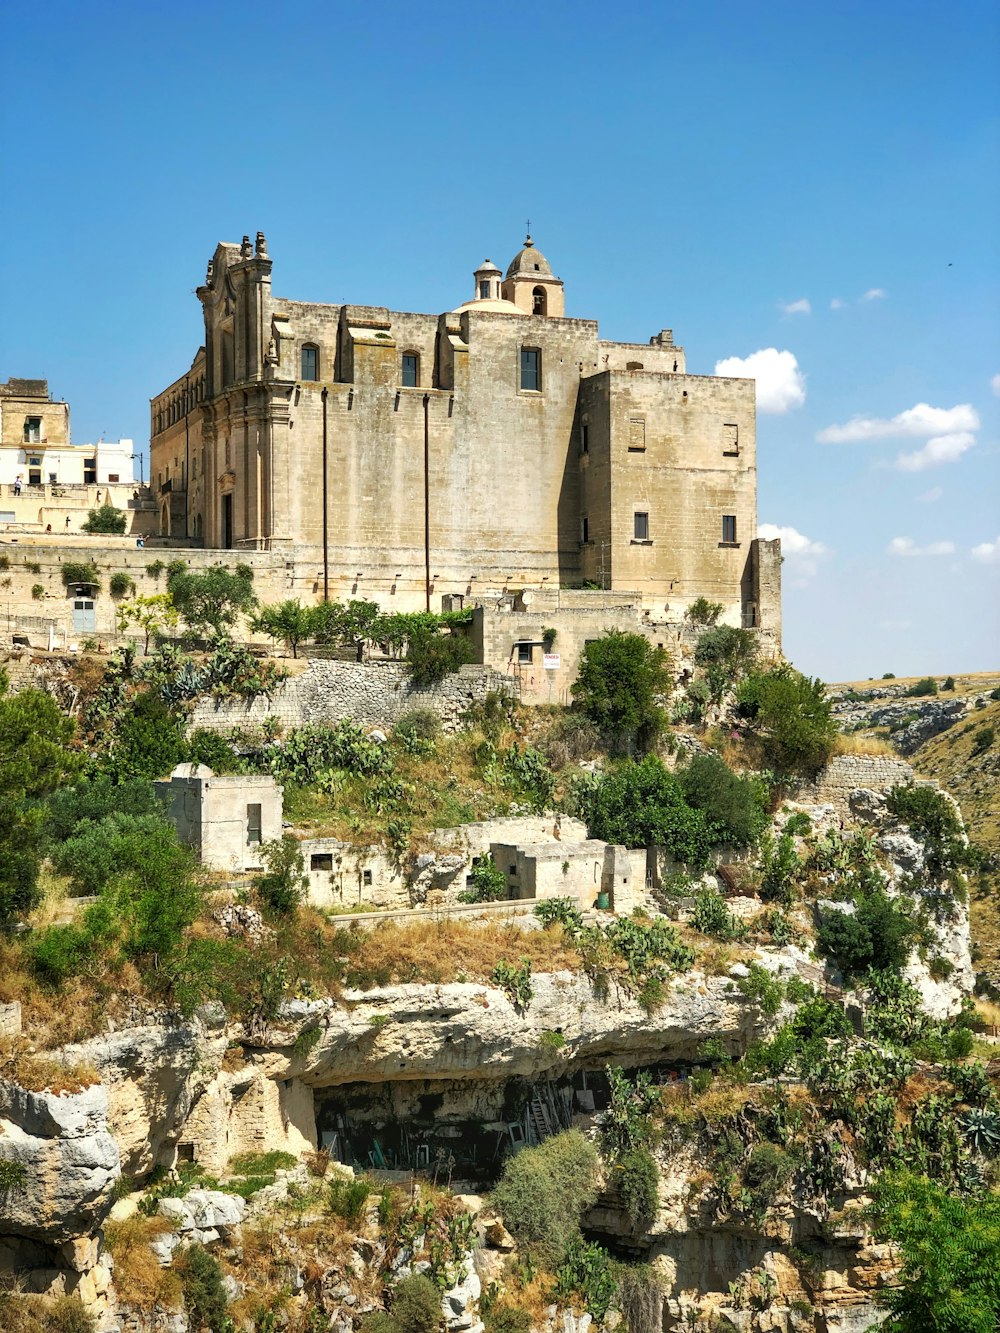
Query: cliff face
(208, 1089)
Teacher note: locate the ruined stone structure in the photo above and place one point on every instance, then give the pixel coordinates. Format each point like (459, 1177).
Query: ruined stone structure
(224, 818)
(501, 445)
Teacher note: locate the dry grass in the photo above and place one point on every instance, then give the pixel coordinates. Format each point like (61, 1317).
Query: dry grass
(44, 1073)
(139, 1279)
(987, 1012)
(442, 950)
(859, 743)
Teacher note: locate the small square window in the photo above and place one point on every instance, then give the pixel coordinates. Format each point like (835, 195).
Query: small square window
(310, 363)
(411, 370)
(524, 654)
(531, 369)
(640, 527)
(729, 529)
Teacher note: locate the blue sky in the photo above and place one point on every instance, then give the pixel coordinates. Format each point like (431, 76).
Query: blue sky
(816, 183)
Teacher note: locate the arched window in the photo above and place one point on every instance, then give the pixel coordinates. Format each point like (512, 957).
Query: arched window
(310, 362)
(538, 301)
(633, 365)
(410, 370)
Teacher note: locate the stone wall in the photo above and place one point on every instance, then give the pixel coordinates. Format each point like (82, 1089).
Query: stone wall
(373, 694)
(847, 772)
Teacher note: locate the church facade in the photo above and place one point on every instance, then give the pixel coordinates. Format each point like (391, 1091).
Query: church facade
(501, 445)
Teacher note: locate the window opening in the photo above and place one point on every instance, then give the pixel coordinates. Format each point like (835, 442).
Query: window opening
(32, 430)
(640, 527)
(729, 529)
(636, 435)
(531, 369)
(731, 439)
(321, 861)
(538, 301)
(411, 370)
(254, 823)
(524, 654)
(585, 529)
(367, 877)
(310, 363)
(584, 439)
(484, 289)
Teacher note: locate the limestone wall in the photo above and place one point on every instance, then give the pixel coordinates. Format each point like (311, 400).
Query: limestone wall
(373, 694)
(846, 772)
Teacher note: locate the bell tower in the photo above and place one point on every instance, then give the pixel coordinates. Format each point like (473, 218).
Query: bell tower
(530, 285)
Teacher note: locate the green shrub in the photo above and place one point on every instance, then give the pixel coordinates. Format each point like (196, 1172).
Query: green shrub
(762, 989)
(75, 571)
(725, 654)
(949, 683)
(284, 882)
(587, 1272)
(798, 825)
(734, 807)
(289, 621)
(416, 1305)
(347, 1197)
(779, 866)
(95, 798)
(514, 981)
(983, 740)
(487, 883)
(620, 679)
(147, 740)
(560, 911)
(933, 821)
(38, 592)
(212, 600)
(638, 1181)
(12, 1175)
(627, 1123)
(703, 612)
(120, 585)
(115, 845)
(640, 1298)
(712, 917)
(432, 655)
(790, 717)
(506, 1319)
(921, 688)
(543, 1191)
(419, 724)
(214, 751)
(107, 520)
(204, 1294)
(155, 568)
(878, 935)
(766, 1172)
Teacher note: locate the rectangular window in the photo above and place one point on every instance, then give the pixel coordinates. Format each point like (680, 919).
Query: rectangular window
(640, 527)
(584, 439)
(254, 824)
(310, 363)
(731, 440)
(636, 435)
(585, 529)
(34, 476)
(32, 430)
(366, 876)
(729, 529)
(411, 371)
(321, 861)
(112, 476)
(531, 369)
(89, 472)
(524, 654)
(484, 289)
(53, 478)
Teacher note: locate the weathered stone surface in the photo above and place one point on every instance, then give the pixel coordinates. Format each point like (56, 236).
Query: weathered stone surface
(70, 1162)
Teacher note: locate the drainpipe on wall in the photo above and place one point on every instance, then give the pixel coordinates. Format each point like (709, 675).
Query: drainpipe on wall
(326, 551)
(427, 502)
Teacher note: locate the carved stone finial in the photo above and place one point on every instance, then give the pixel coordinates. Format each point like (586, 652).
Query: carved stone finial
(246, 249)
(261, 245)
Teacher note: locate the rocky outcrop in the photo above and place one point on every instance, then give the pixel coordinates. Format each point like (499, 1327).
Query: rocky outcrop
(65, 1162)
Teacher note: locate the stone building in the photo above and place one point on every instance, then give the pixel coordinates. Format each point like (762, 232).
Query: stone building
(500, 445)
(225, 819)
(35, 443)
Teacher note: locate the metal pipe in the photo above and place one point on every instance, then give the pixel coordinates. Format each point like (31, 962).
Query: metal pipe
(427, 502)
(326, 549)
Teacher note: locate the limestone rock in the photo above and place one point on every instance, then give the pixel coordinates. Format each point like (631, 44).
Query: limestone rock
(69, 1157)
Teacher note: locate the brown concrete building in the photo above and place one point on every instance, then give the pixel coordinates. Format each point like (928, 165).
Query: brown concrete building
(500, 445)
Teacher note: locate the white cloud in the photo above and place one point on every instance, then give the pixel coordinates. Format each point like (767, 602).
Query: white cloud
(914, 423)
(837, 303)
(800, 307)
(987, 553)
(907, 546)
(780, 384)
(875, 294)
(800, 551)
(941, 449)
(995, 385)
(928, 497)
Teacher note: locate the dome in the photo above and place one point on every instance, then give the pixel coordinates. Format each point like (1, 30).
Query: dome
(529, 261)
(491, 306)
(487, 266)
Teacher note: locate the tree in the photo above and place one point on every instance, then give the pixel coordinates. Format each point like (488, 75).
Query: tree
(107, 519)
(791, 718)
(153, 615)
(433, 655)
(725, 653)
(148, 741)
(878, 934)
(284, 882)
(212, 600)
(36, 756)
(621, 676)
(733, 806)
(950, 1250)
(351, 624)
(642, 805)
(290, 621)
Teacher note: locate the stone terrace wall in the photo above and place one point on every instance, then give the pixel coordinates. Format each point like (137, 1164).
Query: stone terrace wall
(373, 694)
(846, 772)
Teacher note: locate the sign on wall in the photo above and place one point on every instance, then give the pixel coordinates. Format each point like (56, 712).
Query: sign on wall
(551, 661)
